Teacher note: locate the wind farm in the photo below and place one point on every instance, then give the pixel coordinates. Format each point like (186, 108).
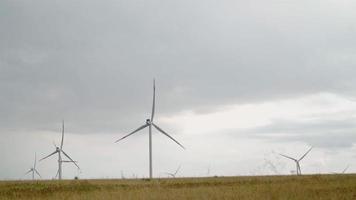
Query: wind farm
(167, 99)
(305, 185)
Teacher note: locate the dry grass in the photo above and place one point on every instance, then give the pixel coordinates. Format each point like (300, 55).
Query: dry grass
(336, 187)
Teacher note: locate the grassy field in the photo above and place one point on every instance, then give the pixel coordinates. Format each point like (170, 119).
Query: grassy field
(336, 187)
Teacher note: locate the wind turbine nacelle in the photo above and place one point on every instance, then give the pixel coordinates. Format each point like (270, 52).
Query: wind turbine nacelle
(148, 121)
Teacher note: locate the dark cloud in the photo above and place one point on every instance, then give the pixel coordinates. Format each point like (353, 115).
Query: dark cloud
(92, 63)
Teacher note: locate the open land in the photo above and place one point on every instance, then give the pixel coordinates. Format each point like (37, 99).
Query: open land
(335, 187)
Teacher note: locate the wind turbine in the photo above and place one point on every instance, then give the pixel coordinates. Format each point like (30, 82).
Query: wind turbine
(34, 170)
(59, 151)
(149, 123)
(343, 171)
(122, 175)
(346, 168)
(299, 171)
(173, 175)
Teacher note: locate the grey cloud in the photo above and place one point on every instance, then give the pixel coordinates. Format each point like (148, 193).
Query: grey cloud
(336, 133)
(92, 62)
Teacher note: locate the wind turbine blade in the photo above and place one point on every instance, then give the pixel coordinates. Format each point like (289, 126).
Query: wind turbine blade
(34, 165)
(154, 100)
(343, 172)
(288, 157)
(305, 154)
(300, 170)
(57, 173)
(28, 172)
(38, 173)
(140, 128)
(170, 174)
(160, 130)
(62, 134)
(70, 159)
(49, 155)
(175, 173)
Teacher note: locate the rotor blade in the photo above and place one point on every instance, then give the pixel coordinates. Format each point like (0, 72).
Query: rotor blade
(300, 170)
(38, 173)
(49, 155)
(305, 154)
(70, 159)
(34, 166)
(177, 170)
(160, 130)
(28, 172)
(343, 172)
(57, 173)
(140, 128)
(62, 134)
(288, 157)
(170, 174)
(154, 100)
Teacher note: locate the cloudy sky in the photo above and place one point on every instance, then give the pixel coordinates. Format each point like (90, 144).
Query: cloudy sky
(237, 83)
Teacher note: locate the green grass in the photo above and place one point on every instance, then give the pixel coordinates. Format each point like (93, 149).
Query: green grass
(336, 187)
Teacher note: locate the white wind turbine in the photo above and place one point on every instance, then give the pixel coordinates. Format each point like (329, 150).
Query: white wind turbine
(58, 151)
(173, 175)
(343, 171)
(34, 170)
(299, 171)
(149, 123)
(346, 168)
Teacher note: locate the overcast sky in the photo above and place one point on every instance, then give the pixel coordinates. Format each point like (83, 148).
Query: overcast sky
(237, 83)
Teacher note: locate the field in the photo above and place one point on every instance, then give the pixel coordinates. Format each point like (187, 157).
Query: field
(336, 187)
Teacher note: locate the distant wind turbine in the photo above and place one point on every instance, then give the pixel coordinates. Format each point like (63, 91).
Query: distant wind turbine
(297, 161)
(59, 151)
(173, 175)
(346, 168)
(149, 123)
(34, 170)
(343, 171)
(122, 175)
